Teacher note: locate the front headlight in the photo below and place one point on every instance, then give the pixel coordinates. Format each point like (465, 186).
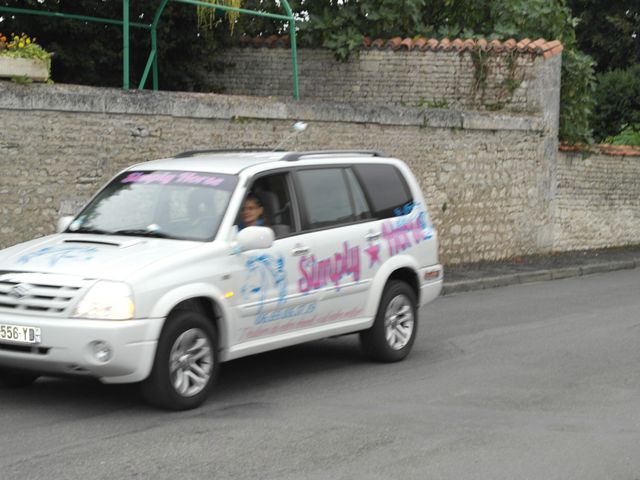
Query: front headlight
(107, 301)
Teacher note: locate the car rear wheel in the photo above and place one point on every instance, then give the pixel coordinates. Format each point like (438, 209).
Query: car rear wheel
(186, 362)
(14, 379)
(394, 329)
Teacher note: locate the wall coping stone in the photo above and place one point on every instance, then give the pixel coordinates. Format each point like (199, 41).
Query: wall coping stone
(77, 98)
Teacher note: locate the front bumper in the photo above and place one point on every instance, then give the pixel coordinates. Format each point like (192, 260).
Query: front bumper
(66, 347)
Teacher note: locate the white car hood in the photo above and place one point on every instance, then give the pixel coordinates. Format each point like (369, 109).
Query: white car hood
(90, 256)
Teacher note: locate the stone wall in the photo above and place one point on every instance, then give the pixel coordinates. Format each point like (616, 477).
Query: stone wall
(494, 183)
(597, 201)
(507, 81)
(485, 175)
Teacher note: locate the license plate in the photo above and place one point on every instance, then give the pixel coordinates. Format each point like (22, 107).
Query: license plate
(19, 334)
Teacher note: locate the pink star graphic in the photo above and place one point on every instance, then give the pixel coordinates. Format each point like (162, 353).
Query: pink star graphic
(374, 254)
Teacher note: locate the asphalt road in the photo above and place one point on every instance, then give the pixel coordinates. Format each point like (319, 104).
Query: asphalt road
(538, 381)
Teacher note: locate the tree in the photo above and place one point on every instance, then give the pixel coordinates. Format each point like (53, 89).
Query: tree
(617, 102)
(91, 53)
(609, 32)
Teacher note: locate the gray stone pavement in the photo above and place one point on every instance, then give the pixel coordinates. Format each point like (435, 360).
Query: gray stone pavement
(535, 268)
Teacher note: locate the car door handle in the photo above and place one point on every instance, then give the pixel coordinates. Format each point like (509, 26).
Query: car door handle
(298, 251)
(373, 236)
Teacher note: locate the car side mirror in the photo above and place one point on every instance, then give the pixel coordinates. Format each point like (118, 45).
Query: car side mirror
(63, 223)
(254, 238)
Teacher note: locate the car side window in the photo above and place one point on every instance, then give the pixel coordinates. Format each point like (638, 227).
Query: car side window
(270, 196)
(385, 188)
(326, 197)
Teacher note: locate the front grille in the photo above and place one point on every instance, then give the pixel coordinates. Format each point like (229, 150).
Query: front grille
(47, 294)
(25, 349)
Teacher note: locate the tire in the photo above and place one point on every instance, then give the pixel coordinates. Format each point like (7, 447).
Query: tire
(395, 327)
(14, 379)
(186, 362)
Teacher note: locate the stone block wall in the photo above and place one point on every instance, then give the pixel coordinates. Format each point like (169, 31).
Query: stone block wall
(597, 201)
(484, 175)
(491, 185)
(458, 80)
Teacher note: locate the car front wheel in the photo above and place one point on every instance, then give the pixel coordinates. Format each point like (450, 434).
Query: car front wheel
(186, 362)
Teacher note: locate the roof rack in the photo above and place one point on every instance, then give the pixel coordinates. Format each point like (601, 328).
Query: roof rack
(295, 156)
(192, 153)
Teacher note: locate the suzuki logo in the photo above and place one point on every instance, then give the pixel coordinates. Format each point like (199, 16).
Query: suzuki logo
(21, 290)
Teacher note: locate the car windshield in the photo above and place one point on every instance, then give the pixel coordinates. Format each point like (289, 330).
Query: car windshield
(163, 204)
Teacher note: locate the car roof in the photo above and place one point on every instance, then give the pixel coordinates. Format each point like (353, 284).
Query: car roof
(234, 162)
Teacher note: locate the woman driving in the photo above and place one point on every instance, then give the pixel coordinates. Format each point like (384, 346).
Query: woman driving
(252, 212)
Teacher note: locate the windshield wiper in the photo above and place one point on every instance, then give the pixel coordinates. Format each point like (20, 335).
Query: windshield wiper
(141, 232)
(96, 231)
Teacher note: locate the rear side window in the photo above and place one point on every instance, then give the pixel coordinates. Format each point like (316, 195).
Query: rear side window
(326, 197)
(385, 188)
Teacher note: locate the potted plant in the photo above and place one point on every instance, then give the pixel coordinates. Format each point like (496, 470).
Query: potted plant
(22, 57)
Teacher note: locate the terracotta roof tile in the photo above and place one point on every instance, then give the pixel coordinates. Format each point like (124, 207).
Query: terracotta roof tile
(272, 40)
(445, 45)
(521, 46)
(496, 46)
(537, 46)
(605, 149)
(552, 44)
(553, 52)
(419, 44)
(378, 43)
(395, 43)
(620, 150)
(259, 42)
(407, 43)
(468, 44)
(432, 44)
(541, 47)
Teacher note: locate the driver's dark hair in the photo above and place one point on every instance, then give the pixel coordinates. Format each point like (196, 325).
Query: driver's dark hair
(255, 198)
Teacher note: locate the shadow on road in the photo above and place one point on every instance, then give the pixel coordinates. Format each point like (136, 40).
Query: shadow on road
(242, 378)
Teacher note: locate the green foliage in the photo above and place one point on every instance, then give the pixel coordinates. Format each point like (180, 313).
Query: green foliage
(341, 26)
(91, 53)
(534, 19)
(609, 31)
(618, 103)
(576, 97)
(207, 16)
(629, 136)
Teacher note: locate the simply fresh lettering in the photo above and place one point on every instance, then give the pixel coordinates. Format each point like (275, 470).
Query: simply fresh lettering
(402, 233)
(320, 273)
(166, 178)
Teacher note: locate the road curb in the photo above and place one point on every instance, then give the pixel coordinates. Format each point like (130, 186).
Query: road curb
(494, 281)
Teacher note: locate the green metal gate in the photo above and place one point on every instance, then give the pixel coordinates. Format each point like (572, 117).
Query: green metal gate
(152, 62)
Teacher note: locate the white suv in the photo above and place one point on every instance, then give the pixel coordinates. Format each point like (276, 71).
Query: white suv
(157, 280)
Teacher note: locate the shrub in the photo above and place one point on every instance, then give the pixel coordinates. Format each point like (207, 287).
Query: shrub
(617, 96)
